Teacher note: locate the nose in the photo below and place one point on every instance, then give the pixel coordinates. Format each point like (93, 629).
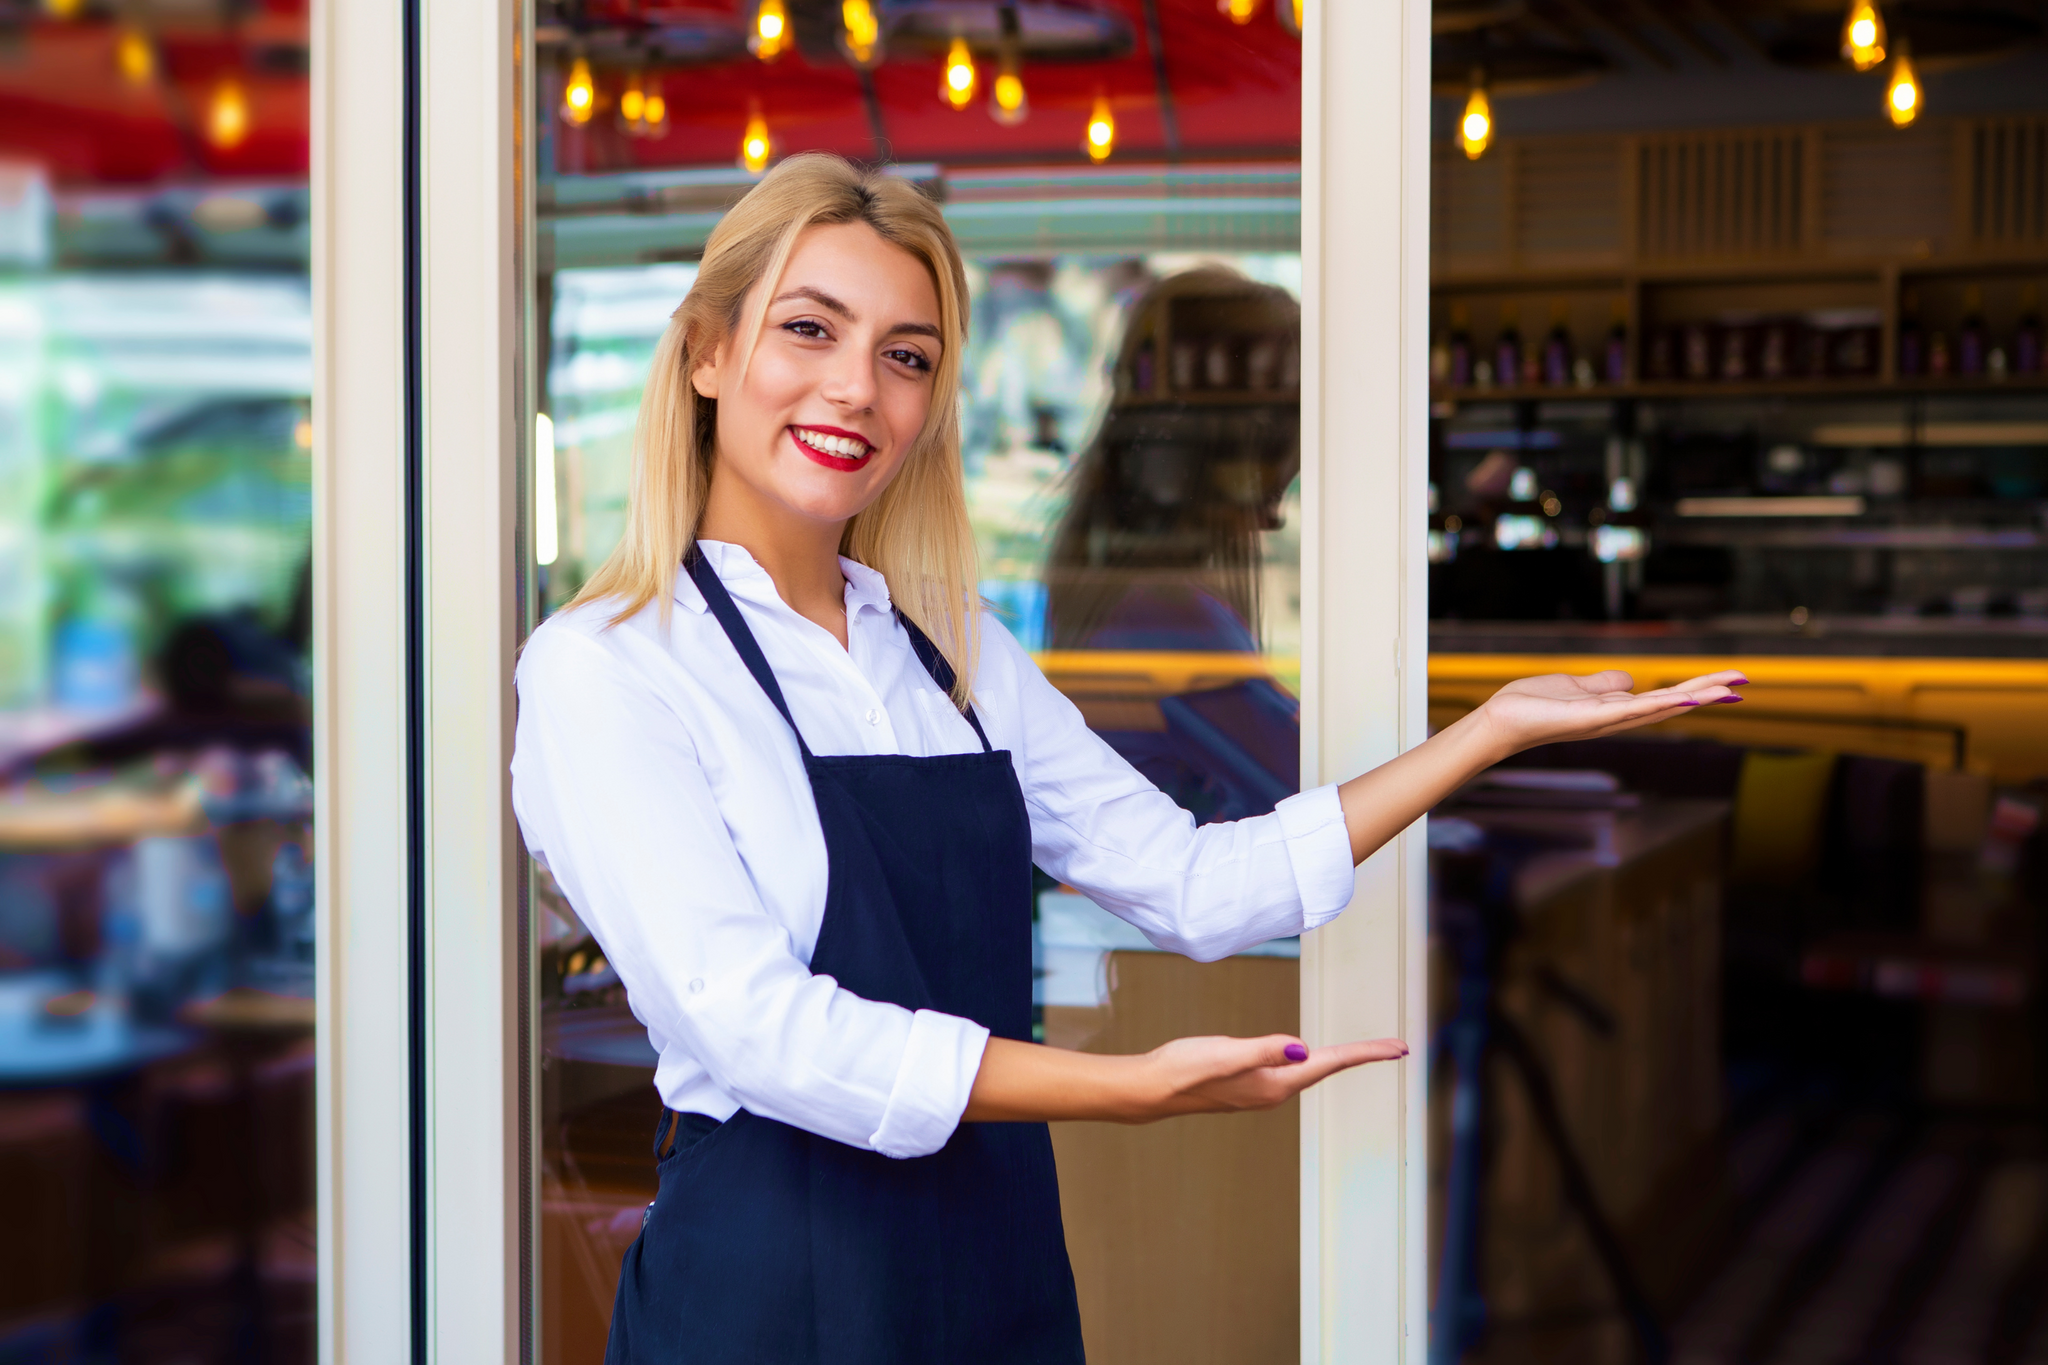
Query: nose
(850, 381)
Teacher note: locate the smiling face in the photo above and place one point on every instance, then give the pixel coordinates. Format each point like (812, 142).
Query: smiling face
(837, 389)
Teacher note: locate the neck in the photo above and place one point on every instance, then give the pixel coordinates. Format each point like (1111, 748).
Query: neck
(801, 556)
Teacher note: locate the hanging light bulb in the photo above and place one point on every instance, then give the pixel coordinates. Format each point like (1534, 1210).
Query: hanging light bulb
(1240, 11)
(1863, 35)
(654, 113)
(1902, 94)
(1101, 136)
(956, 84)
(861, 32)
(633, 104)
(1475, 125)
(755, 145)
(227, 114)
(1007, 104)
(579, 96)
(135, 57)
(771, 31)
(63, 9)
(1289, 13)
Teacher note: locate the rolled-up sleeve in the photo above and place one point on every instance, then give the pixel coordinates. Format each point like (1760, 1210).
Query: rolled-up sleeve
(1100, 827)
(610, 792)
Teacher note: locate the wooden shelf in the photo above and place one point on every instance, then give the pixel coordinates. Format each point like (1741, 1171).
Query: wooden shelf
(1872, 387)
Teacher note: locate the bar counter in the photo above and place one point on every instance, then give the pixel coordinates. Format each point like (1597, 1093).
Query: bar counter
(1920, 637)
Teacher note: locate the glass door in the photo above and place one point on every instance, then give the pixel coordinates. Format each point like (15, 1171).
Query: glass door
(1125, 180)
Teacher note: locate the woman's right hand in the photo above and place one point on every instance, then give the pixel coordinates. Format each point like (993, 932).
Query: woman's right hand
(1030, 1083)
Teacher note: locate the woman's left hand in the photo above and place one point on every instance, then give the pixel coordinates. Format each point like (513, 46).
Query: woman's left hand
(1559, 706)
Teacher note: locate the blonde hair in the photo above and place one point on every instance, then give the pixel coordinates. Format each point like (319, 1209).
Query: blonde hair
(916, 534)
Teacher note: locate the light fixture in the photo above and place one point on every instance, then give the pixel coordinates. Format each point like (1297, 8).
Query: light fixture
(63, 9)
(1101, 136)
(545, 544)
(135, 57)
(1863, 35)
(1240, 11)
(1289, 14)
(756, 147)
(1007, 104)
(1475, 125)
(579, 96)
(227, 114)
(771, 30)
(860, 32)
(632, 101)
(956, 84)
(654, 115)
(1902, 95)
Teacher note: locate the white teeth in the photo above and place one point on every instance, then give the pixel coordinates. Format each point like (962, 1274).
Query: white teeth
(845, 447)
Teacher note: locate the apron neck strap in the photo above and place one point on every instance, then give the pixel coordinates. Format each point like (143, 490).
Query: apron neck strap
(728, 614)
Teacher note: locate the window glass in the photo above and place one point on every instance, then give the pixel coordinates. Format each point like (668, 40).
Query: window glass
(1131, 452)
(156, 901)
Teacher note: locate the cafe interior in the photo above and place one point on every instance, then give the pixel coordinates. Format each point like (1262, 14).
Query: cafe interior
(1739, 1031)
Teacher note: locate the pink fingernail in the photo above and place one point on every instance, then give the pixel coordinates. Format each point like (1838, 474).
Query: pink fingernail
(1691, 701)
(1296, 1052)
(1729, 699)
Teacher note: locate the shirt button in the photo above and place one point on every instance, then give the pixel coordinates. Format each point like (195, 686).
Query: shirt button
(696, 985)
(874, 716)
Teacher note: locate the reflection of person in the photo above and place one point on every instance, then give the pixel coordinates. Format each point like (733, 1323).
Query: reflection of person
(795, 786)
(1159, 548)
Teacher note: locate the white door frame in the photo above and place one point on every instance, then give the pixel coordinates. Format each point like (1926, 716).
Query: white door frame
(463, 237)
(422, 221)
(1365, 644)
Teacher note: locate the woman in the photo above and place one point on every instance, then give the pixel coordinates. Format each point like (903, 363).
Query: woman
(795, 785)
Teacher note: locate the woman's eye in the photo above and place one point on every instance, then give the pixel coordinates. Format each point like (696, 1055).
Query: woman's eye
(804, 327)
(914, 359)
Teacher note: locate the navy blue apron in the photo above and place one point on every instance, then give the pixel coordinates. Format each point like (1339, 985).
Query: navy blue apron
(769, 1245)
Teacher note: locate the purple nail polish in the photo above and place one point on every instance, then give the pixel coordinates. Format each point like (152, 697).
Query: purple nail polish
(1691, 701)
(1296, 1052)
(1729, 699)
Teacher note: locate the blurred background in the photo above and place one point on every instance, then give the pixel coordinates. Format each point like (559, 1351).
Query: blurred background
(155, 844)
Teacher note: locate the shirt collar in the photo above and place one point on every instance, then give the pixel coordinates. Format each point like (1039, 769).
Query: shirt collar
(732, 563)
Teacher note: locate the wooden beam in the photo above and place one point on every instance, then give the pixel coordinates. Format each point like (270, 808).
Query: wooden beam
(1592, 18)
(1733, 26)
(1671, 21)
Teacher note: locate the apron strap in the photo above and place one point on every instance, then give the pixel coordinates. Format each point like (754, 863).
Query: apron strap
(721, 604)
(941, 671)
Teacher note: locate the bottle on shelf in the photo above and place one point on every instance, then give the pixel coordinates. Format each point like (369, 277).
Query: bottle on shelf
(2026, 341)
(1460, 358)
(1970, 340)
(1938, 355)
(1507, 348)
(1557, 349)
(1615, 367)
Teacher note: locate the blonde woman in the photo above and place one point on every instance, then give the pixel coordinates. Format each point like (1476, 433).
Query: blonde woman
(794, 781)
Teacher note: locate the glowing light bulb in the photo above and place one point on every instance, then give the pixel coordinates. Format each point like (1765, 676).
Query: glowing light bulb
(771, 31)
(1475, 125)
(1863, 35)
(755, 145)
(1101, 136)
(1007, 103)
(657, 110)
(1902, 94)
(63, 9)
(956, 86)
(633, 102)
(579, 96)
(862, 31)
(227, 115)
(135, 57)
(1289, 12)
(1240, 11)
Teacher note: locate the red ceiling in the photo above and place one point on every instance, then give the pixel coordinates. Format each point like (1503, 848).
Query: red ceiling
(1235, 92)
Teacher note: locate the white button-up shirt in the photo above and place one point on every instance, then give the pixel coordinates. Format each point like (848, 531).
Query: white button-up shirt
(659, 785)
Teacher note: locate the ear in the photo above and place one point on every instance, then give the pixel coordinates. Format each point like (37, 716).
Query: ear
(704, 374)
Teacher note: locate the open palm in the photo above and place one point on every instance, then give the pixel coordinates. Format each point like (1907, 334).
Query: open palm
(1559, 706)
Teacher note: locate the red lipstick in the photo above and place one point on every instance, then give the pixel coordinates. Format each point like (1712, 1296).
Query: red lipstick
(844, 464)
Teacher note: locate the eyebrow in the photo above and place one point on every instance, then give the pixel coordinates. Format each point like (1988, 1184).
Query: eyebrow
(826, 301)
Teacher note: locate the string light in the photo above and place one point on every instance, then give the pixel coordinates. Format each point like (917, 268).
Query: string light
(1240, 11)
(579, 96)
(771, 31)
(1863, 35)
(1475, 125)
(1289, 12)
(655, 117)
(134, 56)
(956, 84)
(632, 101)
(861, 35)
(756, 147)
(227, 116)
(1101, 136)
(1902, 95)
(1007, 103)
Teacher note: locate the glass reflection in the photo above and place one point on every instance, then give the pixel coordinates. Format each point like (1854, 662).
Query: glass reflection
(156, 893)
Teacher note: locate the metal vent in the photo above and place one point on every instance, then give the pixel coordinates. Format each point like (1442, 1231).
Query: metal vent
(2008, 194)
(1706, 196)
